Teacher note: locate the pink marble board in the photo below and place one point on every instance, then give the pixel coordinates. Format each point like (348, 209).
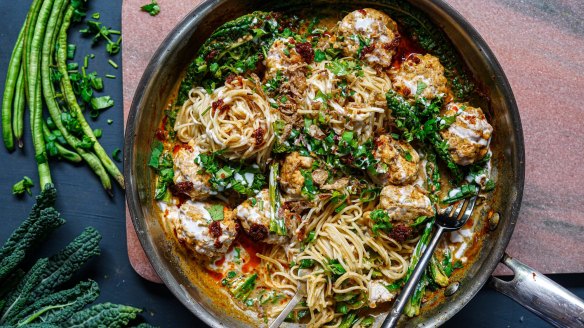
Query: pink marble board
(541, 48)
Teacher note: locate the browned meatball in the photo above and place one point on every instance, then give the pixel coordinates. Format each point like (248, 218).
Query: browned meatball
(291, 179)
(405, 203)
(398, 161)
(469, 136)
(196, 229)
(186, 171)
(420, 75)
(254, 215)
(373, 28)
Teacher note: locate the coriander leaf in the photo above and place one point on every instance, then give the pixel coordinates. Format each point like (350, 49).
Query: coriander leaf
(152, 8)
(85, 143)
(101, 103)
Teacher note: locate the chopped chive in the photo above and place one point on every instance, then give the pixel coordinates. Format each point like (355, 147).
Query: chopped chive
(71, 51)
(85, 61)
(109, 76)
(111, 62)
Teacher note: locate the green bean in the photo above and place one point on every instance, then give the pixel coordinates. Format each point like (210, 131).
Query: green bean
(30, 23)
(65, 153)
(46, 22)
(55, 113)
(67, 90)
(9, 90)
(18, 113)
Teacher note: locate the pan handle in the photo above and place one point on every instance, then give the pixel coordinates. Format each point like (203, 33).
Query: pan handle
(541, 295)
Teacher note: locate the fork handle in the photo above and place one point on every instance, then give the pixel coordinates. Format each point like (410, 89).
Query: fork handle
(284, 314)
(393, 317)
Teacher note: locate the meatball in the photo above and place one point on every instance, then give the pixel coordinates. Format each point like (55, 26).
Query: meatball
(405, 203)
(185, 170)
(197, 229)
(420, 75)
(374, 29)
(398, 161)
(378, 293)
(254, 216)
(291, 179)
(469, 136)
(281, 55)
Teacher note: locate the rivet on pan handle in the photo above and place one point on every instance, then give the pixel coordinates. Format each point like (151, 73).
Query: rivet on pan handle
(541, 295)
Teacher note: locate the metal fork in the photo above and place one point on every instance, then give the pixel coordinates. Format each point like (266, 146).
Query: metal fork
(448, 220)
(300, 293)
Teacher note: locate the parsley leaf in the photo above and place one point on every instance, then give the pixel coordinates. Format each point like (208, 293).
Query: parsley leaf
(381, 221)
(152, 8)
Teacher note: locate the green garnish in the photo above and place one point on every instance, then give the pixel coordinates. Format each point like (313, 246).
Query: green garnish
(152, 8)
(113, 63)
(216, 212)
(116, 155)
(381, 221)
(22, 186)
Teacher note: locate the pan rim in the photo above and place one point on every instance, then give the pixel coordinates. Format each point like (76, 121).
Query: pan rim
(187, 26)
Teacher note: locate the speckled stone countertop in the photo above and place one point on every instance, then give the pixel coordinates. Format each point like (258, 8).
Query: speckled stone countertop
(540, 45)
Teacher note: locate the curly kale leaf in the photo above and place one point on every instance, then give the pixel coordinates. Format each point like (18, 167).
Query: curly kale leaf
(41, 221)
(64, 264)
(236, 47)
(408, 121)
(17, 300)
(58, 307)
(103, 315)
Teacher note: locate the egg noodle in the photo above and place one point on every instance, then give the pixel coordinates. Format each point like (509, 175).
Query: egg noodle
(354, 181)
(343, 236)
(357, 104)
(235, 118)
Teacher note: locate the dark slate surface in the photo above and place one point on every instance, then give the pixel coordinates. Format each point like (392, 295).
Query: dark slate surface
(83, 202)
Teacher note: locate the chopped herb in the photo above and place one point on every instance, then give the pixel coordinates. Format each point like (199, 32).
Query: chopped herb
(22, 186)
(336, 268)
(97, 133)
(306, 263)
(110, 121)
(109, 76)
(116, 154)
(86, 143)
(101, 103)
(462, 192)
(152, 8)
(381, 221)
(71, 51)
(319, 55)
(244, 179)
(95, 16)
(99, 31)
(216, 212)
(111, 62)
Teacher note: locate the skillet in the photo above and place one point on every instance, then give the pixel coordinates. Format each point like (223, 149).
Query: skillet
(530, 288)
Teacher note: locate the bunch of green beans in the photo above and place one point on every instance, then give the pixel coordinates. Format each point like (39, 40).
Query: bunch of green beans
(40, 50)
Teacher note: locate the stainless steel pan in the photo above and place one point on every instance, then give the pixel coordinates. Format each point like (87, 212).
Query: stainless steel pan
(529, 288)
